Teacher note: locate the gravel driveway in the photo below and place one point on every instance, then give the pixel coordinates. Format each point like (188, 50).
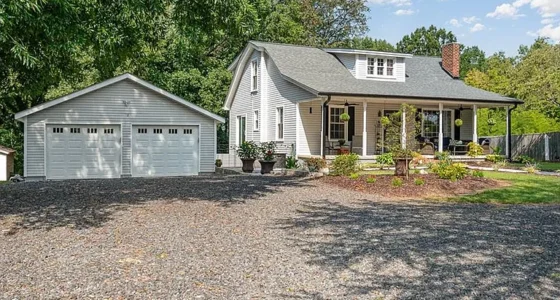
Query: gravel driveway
(266, 237)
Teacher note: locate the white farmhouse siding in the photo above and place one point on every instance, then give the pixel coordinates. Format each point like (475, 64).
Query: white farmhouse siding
(246, 102)
(123, 103)
(309, 142)
(399, 69)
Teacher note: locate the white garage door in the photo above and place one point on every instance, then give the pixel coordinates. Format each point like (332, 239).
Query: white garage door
(164, 150)
(83, 151)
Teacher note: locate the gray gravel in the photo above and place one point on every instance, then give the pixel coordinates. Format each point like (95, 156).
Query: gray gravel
(266, 237)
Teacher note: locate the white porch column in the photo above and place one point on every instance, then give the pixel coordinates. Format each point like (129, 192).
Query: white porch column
(322, 128)
(298, 126)
(403, 130)
(507, 132)
(364, 132)
(475, 124)
(440, 135)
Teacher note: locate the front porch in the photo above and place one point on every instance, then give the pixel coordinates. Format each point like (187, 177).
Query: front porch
(321, 133)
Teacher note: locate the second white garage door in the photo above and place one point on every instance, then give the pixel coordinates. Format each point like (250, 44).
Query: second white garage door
(164, 150)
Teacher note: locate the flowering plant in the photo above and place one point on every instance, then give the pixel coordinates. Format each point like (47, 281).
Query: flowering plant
(268, 151)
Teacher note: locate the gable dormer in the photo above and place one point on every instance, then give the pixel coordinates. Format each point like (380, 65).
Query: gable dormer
(373, 65)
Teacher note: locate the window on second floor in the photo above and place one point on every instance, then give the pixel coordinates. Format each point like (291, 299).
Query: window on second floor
(380, 67)
(254, 76)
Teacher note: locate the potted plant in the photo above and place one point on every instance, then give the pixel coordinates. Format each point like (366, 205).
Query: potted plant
(268, 157)
(248, 152)
(345, 117)
(341, 142)
(402, 146)
(458, 122)
(218, 163)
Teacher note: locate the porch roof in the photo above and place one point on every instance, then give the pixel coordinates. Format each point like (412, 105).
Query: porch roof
(322, 74)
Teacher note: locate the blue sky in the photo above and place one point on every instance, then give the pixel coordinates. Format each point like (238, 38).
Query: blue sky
(493, 25)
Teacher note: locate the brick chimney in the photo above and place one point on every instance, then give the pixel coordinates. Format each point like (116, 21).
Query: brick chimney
(451, 59)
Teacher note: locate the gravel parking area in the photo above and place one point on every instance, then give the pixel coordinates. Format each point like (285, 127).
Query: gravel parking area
(266, 237)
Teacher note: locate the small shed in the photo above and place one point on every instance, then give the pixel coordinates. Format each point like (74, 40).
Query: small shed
(6, 163)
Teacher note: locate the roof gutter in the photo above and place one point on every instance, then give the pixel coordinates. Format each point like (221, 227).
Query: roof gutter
(516, 102)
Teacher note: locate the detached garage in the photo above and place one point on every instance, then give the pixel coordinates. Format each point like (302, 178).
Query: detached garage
(122, 127)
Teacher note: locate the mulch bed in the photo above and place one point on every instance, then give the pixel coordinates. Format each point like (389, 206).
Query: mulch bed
(433, 186)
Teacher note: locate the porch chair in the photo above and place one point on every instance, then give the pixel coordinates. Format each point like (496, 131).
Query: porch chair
(356, 146)
(329, 146)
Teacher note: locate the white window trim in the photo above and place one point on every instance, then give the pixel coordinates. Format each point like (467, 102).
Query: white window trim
(254, 72)
(256, 120)
(452, 121)
(374, 75)
(345, 123)
(238, 128)
(283, 123)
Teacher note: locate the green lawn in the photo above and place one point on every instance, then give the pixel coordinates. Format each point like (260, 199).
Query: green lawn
(543, 166)
(525, 189)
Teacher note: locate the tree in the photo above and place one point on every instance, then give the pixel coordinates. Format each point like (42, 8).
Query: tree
(426, 41)
(472, 58)
(402, 144)
(367, 43)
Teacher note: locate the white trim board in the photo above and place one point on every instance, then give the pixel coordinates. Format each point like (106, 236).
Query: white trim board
(113, 80)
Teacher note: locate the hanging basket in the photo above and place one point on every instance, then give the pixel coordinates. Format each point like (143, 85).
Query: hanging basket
(345, 117)
(385, 121)
(458, 122)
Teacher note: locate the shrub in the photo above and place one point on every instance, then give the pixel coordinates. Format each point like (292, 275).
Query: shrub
(416, 171)
(291, 162)
(525, 159)
(496, 150)
(449, 170)
(475, 149)
(354, 176)
(499, 165)
(385, 159)
(248, 150)
(495, 158)
(345, 164)
(218, 163)
(419, 181)
(442, 155)
(315, 164)
(371, 179)
(397, 182)
(531, 168)
(478, 174)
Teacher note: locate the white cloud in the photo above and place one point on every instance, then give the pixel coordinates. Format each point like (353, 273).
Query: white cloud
(392, 2)
(547, 8)
(404, 12)
(551, 32)
(505, 10)
(455, 23)
(477, 27)
(547, 21)
(470, 20)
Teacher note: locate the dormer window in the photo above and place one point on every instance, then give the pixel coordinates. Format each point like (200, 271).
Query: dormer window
(380, 67)
(254, 76)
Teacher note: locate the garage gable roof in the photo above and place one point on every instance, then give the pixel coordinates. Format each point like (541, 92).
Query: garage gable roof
(113, 80)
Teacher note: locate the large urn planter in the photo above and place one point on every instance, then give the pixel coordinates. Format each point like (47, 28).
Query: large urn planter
(248, 165)
(267, 166)
(401, 166)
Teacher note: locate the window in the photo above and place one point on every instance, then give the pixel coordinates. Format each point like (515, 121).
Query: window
(74, 130)
(172, 131)
(390, 66)
(241, 129)
(142, 130)
(254, 76)
(187, 131)
(158, 131)
(92, 130)
(380, 67)
(430, 124)
(108, 131)
(337, 128)
(58, 130)
(256, 120)
(279, 123)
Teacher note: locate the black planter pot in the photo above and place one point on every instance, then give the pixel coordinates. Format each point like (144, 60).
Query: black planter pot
(248, 165)
(267, 166)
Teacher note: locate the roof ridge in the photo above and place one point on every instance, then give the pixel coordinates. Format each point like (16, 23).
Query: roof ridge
(285, 44)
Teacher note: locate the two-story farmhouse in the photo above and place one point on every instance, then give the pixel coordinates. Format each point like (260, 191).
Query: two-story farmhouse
(294, 95)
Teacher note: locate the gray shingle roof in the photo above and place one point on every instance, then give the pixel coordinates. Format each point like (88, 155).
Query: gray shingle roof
(322, 73)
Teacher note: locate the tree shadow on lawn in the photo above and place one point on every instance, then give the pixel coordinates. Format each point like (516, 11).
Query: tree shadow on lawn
(90, 203)
(431, 251)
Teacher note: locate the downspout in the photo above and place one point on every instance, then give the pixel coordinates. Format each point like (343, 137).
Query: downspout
(509, 110)
(323, 124)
